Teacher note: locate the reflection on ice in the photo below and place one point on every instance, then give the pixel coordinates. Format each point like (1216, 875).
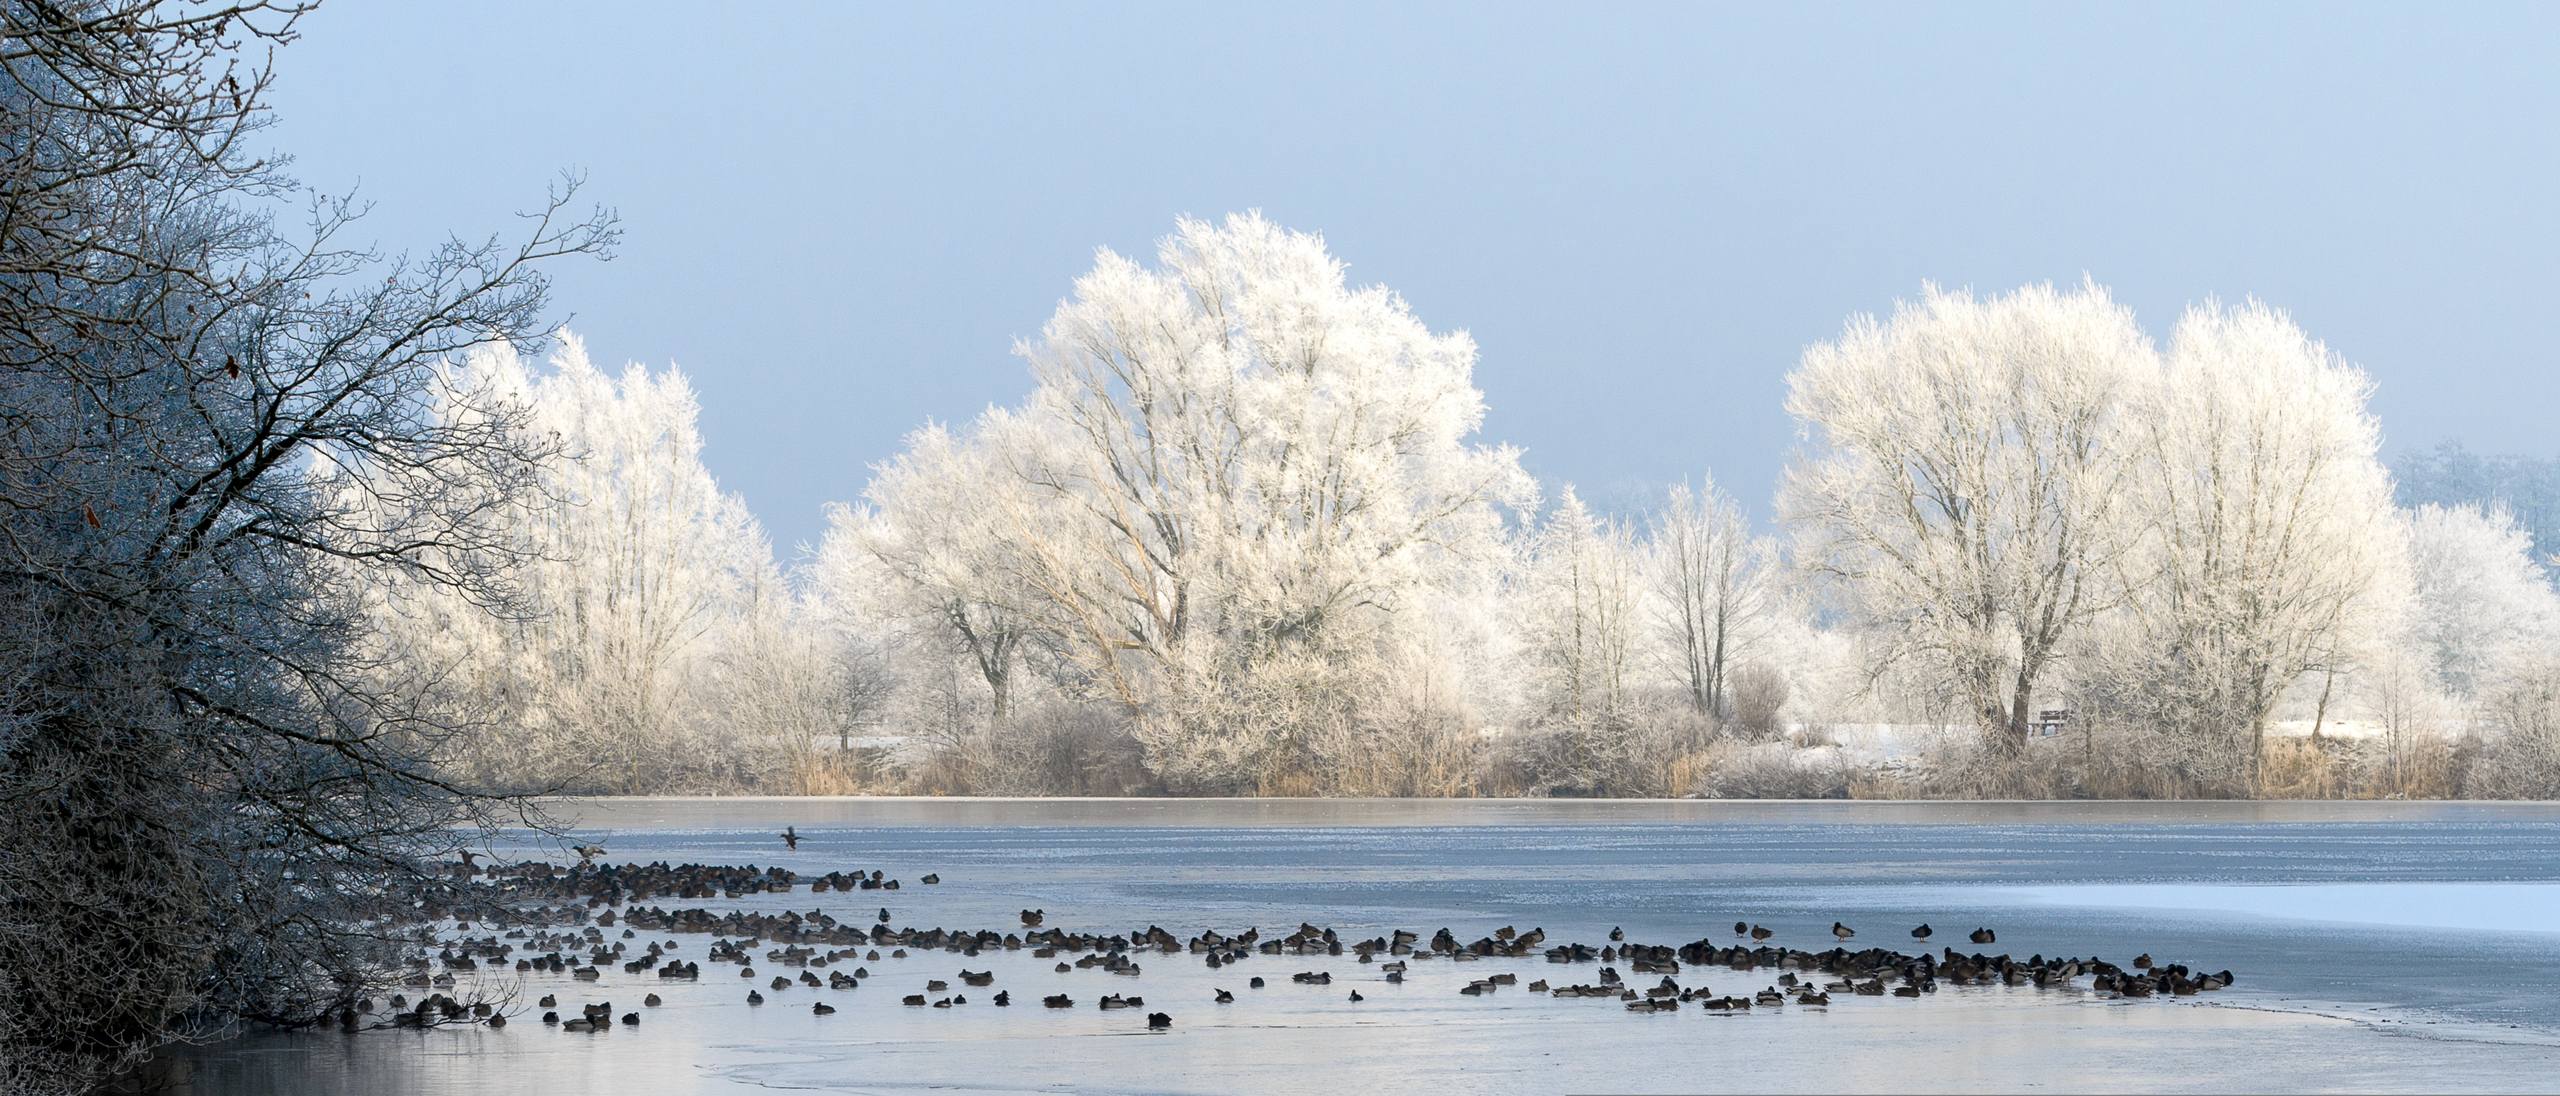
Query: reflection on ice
(2481, 907)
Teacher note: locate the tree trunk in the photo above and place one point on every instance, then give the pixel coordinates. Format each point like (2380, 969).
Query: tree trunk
(2320, 714)
(2257, 752)
(2008, 728)
(1715, 673)
(1000, 703)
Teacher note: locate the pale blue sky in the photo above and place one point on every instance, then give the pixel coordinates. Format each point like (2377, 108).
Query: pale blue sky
(840, 217)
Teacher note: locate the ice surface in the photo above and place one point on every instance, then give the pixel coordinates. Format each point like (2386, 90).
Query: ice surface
(2379, 947)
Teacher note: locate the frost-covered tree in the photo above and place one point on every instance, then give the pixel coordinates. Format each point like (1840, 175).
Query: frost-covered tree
(935, 526)
(2527, 487)
(1962, 480)
(1579, 615)
(2482, 602)
(792, 680)
(637, 568)
(2266, 550)
(1240, 478)
(204, 784)
(1580, 605)
(1713, 586)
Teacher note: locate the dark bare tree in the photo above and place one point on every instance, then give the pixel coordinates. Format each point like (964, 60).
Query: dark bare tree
(200, 783)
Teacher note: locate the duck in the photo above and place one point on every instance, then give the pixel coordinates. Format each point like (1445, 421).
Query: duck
(1004, 998)
(931, 878)
(1225, 998)
(754, 998)
(1922, 933)
(822, 1009)
(1761, 933)
(1058, 1000)
(1741, 928)
(1158, 1021)
(631, 1019)
(1031, 918)
(790, 838)
(1356, 998)
(1985, 936)
(2142, 961)
(1255, 983)
(651, 1000)
(1842, 932)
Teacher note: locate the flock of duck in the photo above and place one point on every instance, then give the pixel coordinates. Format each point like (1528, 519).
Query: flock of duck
(584, 919)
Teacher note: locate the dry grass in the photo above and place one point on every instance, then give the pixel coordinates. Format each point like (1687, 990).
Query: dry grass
(1770, 770)
(1066, 756)
(834, 774)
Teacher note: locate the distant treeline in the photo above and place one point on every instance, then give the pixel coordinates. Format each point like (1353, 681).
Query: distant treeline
(1241, 537)
(2527, 487)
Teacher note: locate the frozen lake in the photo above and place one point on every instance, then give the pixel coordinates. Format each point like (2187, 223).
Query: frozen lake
(2411, 947)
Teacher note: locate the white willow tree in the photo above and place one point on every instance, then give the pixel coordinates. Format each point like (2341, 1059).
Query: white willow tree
(793, 678)
(1579, 602)
(1962, 479)
(1579, 598)
(935, 525)
(1239, 478)
(2268, 550)
(2483, 605)
(1714, 589)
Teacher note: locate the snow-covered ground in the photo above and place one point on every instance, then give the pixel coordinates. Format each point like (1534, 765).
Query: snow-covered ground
(1871, 744)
